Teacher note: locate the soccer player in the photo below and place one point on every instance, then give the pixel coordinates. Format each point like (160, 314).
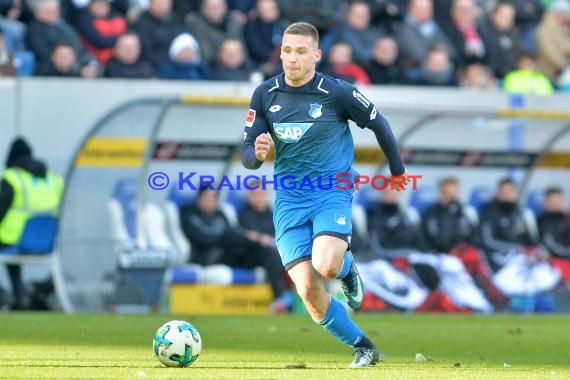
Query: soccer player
(306, 114)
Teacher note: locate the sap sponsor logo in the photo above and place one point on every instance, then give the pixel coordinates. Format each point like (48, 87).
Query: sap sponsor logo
(275, 108)
(250, 118)
(373, 113)
(361, 98)
(291, 132)
(315, 110)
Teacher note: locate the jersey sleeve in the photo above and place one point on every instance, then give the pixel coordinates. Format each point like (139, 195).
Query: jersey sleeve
(255, 124)
(364, 113)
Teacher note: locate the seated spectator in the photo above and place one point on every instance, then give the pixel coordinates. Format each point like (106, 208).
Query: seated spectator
(48, 29)
(463, 30)
(63, 63)
(212, 25)
(257, 219)
(7, 68)
(385, 66)
(507, 236)
(232, 63)
(396, 237)
(388, 13)
(437, 69)
(476, 75)
(390, 227)
(529, 14)
(184, 61)
(339, 64)
(323, 14)
(215, 241)
(358, 33)
(157, 27)
(448, 229)
(418, 34)
(99, 28)
(126, 61)
(503, 228)
(527, 79)
(257, 215)
(262, 35)
(27, 187)
(501, 39)
(553, 39)
(554, 229)
(14, 17)
(446, 224)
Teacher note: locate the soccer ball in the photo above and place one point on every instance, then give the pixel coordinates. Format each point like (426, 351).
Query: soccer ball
(177, 344)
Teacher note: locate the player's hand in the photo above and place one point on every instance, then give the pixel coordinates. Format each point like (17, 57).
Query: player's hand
(400, 181)
(262, 145)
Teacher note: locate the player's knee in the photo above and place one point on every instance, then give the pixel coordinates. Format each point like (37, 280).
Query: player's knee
(326, 266)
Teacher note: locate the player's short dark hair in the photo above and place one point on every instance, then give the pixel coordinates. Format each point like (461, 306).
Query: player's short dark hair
(553, 190)
(447, 181)
(507, 181)
(303, 29)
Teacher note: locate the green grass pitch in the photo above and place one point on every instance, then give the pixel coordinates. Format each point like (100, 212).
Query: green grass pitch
(56, 346)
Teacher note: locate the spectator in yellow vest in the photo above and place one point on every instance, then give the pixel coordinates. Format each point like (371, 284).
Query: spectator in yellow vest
(27, 188)
(527, 79)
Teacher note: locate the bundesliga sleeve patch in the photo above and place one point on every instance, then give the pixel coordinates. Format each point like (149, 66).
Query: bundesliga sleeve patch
(250, 118)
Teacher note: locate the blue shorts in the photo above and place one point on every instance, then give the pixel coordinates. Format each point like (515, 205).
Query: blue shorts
(298, 223)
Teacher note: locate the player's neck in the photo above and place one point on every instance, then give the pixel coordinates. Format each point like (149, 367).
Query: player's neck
(300, 82)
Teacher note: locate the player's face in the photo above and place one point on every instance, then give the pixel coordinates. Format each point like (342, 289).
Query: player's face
(300, 55)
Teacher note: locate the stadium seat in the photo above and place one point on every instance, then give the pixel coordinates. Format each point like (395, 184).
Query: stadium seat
(36, 246)
(422, 198)
(480, 195)
(176, 200)
(150, 232)
(535, 201)
(122, 206)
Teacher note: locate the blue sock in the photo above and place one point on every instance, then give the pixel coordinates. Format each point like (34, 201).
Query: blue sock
(346, 264)
(340, 325)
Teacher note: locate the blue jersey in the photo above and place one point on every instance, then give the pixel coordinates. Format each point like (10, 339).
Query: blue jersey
(309, 126)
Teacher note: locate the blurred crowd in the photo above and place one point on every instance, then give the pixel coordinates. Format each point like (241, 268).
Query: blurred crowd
(519, 45)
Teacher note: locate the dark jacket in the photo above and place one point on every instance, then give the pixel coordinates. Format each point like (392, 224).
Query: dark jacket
(554, 229)
(446, 226)
(502, 48)
(390, 228)
(382, 74)
(502, 228)
(156, 35)
(139, 70)
(183, 71)
(42, 38)
(251, 219)
(262, 39)
(211, 236)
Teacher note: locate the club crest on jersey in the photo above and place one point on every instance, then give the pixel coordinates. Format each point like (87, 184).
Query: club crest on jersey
(315, 110)
(290, 132)
(340, 219)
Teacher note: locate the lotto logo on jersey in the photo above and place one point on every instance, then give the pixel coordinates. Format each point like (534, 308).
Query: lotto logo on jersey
(291, 132)
(250, 118)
